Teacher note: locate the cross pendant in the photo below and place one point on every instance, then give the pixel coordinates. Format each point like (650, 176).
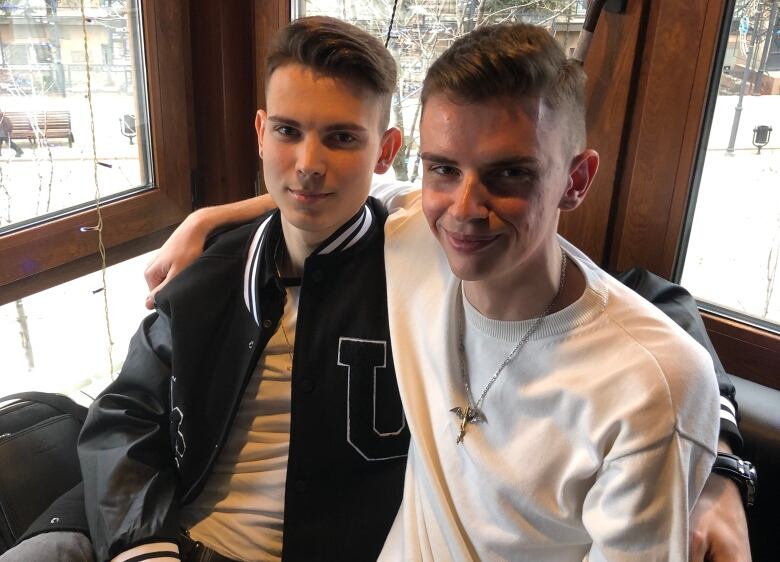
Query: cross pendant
(470, 415)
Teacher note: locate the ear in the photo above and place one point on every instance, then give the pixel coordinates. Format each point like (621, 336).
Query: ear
(260, 119)
(391, 143)
(581, 173)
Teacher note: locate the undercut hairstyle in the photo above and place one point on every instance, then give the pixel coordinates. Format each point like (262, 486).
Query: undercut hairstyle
(515, 60)
(337, 49)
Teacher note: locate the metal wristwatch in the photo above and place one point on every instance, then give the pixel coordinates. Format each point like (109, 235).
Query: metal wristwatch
(740, 471)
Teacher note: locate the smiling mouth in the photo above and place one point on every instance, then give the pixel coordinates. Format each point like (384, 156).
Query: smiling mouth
(469, 243)
(302, 196)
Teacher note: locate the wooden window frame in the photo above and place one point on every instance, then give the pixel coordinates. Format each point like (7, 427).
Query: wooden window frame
(43, 255)
(654, 189)
(203, 59)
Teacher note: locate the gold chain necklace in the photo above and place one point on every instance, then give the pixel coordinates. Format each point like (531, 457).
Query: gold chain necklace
(472, 412)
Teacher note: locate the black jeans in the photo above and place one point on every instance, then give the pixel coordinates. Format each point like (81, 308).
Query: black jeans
(194, 551)
(11, 143)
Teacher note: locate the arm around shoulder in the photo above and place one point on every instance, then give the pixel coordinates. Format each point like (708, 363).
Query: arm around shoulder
(187, 241)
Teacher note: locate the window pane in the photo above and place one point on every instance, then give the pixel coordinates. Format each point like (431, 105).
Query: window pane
(56, 340)
(731, 257)
(49, 168)
(423, 29)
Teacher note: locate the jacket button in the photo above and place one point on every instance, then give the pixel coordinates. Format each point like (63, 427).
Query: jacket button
(54, 520)
(307, 385)
(266, 323)
(251, 344)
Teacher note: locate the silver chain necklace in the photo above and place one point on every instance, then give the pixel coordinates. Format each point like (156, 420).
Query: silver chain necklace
(473, 413)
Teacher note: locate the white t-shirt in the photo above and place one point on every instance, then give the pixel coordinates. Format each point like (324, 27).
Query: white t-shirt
(240, 512)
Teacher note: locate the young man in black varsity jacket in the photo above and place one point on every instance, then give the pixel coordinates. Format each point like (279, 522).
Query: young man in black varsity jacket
(258, 408)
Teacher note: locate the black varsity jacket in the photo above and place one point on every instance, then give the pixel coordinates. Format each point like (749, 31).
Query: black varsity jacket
(151, 438)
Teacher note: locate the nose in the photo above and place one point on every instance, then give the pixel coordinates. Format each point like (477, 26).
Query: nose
(469, 200)
(310, 162)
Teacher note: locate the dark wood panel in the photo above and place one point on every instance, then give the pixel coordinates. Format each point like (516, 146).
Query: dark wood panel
(170, 96)
(691, 136)
(745, 351)
(224, 89)
(270, 15)
(610, 68)
(675, 68)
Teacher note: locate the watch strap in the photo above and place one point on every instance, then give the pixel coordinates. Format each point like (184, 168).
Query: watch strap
(742, 472)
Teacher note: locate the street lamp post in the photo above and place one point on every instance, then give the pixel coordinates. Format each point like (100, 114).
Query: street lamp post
(745, 76)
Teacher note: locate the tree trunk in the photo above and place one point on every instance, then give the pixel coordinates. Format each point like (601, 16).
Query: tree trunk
(24, 332)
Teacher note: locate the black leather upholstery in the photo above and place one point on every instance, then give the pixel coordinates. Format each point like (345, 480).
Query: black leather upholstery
(759, 408)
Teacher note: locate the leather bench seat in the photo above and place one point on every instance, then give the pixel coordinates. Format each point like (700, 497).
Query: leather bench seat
(759, 408)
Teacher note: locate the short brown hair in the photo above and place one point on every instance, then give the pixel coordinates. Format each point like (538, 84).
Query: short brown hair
(511, 60)
(336, 49)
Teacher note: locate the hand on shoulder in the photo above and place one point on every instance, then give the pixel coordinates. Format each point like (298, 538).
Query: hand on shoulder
(180, 250)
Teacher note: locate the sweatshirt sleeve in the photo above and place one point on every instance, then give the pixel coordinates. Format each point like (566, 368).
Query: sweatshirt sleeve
(656, 467)
(638, 508)
(678, 304)
(393, 194)
(130, 479)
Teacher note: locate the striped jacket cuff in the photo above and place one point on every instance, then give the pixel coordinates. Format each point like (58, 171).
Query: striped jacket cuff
(729, 430)
(157, 551)
(727, 410)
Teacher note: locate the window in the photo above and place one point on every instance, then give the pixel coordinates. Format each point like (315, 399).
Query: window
(65, 76)
(671, 208)
(50, 117)
(730, 254)
(150, 53)
(17, 54)
(57, 340)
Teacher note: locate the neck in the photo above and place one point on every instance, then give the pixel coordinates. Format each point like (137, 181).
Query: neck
(528, 291)
(297, 247)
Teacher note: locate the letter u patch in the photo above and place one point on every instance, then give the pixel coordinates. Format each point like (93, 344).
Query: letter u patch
(376, 426)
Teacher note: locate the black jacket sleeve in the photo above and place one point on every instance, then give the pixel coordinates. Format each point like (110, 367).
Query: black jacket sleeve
(131, 487)
(680, 306)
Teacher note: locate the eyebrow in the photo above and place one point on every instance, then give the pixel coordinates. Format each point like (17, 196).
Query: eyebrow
(346, 126)
(514, 161)
(436, 158)
(502, 162)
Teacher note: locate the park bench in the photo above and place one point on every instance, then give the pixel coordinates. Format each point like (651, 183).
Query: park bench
(48, 125)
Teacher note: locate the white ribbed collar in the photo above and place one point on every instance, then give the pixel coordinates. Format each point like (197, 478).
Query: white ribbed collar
(592, 302)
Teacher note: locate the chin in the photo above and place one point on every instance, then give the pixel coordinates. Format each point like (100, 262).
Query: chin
(311, 223)
(467, 269)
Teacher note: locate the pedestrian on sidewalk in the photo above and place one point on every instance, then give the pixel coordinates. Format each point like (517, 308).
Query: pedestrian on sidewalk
(6, 127)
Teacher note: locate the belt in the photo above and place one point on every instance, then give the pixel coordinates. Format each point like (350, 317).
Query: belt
(194, 551)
